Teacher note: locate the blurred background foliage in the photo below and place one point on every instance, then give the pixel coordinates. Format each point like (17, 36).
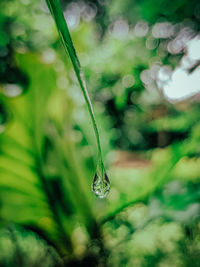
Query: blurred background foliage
(141, 62)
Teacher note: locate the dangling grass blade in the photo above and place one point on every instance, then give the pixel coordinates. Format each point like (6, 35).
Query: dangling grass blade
(101, 184)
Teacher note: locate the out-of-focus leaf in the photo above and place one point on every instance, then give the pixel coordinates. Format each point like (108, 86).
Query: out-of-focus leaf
(24, 194)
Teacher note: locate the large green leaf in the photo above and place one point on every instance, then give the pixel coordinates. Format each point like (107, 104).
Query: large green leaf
(25, 196)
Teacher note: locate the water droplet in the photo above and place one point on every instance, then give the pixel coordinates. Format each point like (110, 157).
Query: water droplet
(100, 184)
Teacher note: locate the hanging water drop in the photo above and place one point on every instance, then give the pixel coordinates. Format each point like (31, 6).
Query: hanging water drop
(100, 183)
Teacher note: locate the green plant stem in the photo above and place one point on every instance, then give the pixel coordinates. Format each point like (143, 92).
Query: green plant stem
(57, 13)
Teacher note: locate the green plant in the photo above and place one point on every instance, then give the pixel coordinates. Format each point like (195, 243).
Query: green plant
(101, 183)
(46, 162)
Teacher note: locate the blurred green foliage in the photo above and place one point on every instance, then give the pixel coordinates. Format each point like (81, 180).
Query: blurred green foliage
(48, 216)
